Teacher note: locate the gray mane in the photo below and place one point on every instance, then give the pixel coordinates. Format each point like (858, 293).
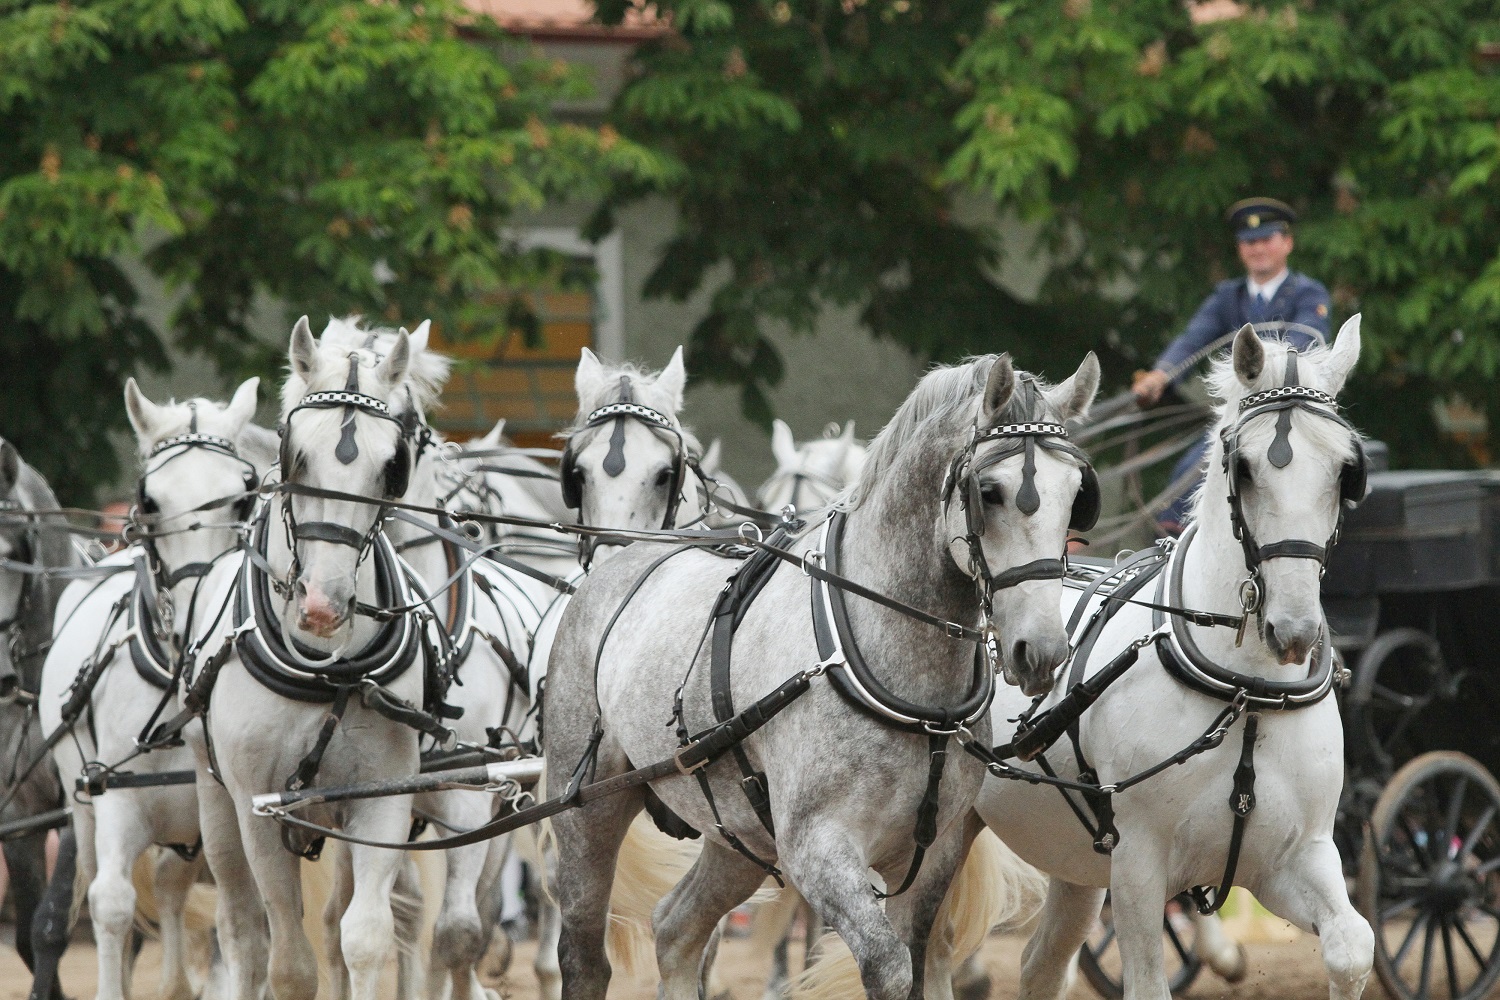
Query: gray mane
(54, 547)
(943, 403)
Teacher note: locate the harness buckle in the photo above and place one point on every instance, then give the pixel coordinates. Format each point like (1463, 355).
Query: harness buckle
(687, 769)
(815, 555)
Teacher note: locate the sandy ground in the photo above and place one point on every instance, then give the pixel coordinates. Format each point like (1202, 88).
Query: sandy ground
(1278, 971)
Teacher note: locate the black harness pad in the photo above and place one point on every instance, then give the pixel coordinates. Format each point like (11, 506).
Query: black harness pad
(666, 820)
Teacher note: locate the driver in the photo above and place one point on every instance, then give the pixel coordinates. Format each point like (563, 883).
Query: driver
(1269, 292)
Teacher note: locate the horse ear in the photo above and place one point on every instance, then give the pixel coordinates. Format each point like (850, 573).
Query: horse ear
(710, 460)
(1073, 398)
(145, 416)
(242, 405)
(420, 336)
(848, 436)
(304, 350)
(10, 466)
(998, 388)
(1249, 355)
(783, 445)
(673, 379)
(1344, 354)
(589, 379)
(393, 369)
(496, 436)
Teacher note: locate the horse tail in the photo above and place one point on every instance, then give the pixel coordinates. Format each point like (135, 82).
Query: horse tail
(649, 865)
(993, 887)
(773, 921)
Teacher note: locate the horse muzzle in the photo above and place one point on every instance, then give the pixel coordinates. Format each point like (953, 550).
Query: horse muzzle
(1031, 664)
(320, 615)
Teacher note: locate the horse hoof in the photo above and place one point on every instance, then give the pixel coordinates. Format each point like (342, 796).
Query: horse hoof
(1233, 972)
(974, 989)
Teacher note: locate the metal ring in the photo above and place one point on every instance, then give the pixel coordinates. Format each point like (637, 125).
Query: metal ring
(810, 554)
(749, 526)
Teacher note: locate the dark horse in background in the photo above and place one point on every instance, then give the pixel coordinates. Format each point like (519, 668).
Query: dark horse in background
(29, 546)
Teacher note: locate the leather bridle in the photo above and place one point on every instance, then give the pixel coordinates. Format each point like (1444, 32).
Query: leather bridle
(962, 479)
(1283, 400)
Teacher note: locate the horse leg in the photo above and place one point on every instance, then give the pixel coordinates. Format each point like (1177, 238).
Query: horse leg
(1308, 889)
(590, 839)
(26, 857)
(293, 967)
(830, 872)
(53, 921)
(123, 834)
(340, 891)
(914, 912)
(548, 928)
(174, 876)
(1047, 963)
(688, 916)
(458, 939)
(240, 918)
(369, 925)
(1137, 892)
(1223, 954)
(406, 910)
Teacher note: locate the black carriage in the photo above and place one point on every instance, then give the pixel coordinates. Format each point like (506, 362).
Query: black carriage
(1411, 594)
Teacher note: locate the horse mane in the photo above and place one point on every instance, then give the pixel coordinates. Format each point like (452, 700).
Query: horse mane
(943, 396)
(425, 375)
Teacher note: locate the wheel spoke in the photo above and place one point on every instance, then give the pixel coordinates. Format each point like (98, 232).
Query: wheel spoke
(1183, 951)
(1448, 960)
(1487, 867)
(1455, 809)
(1426, 982)
(1480, 825)
(1421, 851)
(1411, 935)
(1463, 935)
(1406, 904)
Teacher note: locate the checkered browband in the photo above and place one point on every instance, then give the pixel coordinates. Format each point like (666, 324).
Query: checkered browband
(343, 397)
(212, 440)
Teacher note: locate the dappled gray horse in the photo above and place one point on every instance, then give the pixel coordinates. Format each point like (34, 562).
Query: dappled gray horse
(972, 487)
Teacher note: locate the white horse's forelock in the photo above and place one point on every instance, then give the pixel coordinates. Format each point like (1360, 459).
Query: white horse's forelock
(425, 375)
(173, 418)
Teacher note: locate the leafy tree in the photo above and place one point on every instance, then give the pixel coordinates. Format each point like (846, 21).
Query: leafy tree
(338, 156)
(825, 143)
(813, 138)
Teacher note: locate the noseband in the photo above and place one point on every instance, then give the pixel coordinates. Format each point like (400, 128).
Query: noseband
(1283, 400)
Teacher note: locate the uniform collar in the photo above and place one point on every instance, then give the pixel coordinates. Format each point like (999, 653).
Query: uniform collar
(1270, 288)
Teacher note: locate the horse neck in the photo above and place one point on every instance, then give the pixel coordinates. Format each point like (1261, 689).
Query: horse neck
(889, 545)
(279, 557)
(428, 560)
(1211, 578)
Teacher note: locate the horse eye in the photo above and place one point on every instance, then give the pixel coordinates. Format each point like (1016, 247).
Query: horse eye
(1242, 470)
(663, 477)
(992, 494)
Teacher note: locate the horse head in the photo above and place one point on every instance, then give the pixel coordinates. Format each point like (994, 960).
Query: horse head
(195, 474)
(1289, 465)
(626, 460)
(351, 418)
(811, 473)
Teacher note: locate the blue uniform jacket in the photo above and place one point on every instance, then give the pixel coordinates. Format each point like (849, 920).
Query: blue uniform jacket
(1300, 299)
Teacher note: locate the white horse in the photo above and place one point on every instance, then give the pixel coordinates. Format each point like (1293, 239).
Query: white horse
(1293, 466)
(810, 474)
(129, 625)
(503, 613)
(352, 419)
(843, 786)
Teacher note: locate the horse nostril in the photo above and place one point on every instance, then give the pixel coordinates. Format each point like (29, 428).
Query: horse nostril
(1018, 653)
(301, 589)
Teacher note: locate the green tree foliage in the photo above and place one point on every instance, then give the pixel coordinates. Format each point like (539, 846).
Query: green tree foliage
(813, 139)
(259, 150)
(826, 142)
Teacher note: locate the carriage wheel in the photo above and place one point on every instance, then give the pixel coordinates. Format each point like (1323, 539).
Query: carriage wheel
(1429, 880)
(1099, 958)
(1400, 673)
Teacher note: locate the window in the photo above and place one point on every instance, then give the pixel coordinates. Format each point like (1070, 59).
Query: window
(531, 388)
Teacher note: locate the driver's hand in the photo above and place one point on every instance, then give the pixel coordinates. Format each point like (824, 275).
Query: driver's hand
(1148, 387)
